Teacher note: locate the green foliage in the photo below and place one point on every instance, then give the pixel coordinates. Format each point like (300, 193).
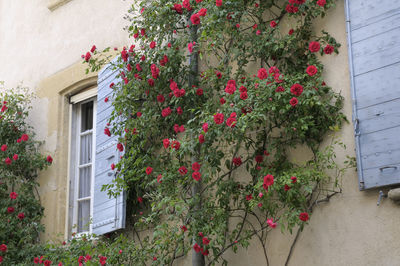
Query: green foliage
(20, 217)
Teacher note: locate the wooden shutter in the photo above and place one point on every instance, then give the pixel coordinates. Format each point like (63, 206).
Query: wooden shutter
(373, 29)
(108, 213)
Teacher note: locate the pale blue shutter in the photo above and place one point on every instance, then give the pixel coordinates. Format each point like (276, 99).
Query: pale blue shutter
(108, 213)
(374, 53)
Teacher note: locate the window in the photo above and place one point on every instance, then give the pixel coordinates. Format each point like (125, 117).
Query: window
(83, 136)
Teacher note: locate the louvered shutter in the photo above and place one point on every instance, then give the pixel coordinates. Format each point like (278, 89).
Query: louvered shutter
(374, 52)
(108, 213)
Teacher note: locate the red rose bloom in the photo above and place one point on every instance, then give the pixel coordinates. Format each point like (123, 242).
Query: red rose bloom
(259, 158)
(321, 3)
(293, 102)
(262, 73)
(206, 241)
(311, 70)
(160, 98)
(195, 18)
(112, 85)
(205, 127)
(8, 161)
(219, 75)
(273, 24)
(249, 197)
(36, 260)
(199, 92)
(328, 49)
(107, 131)
(271, 223)
(222, 101)
(304, 216)
(10, 209)
(120, 147)
(149, 170)
(268, 180)
(219, 118)
(286, 187)
(159, 177)
(296, 89)
(152, 44)
(294, 179)
(13, 195)
(166, 112)
(150, 82)
(196, 166)
(196, 248)
(124, 55)
(314, 47)
(218, 2)
(3, 248)
(243, 95)
(201, 138)
(4, 147)
(106, 99)
(179, 110)
(47, 262)
(49, 159)
(183, 170)
(21, 215)
(87, 57)
(190, 47)
(112, 166)
(24, 137)
(175, 145)
(166, 143)
(237, 161)
(202, 12)
(155, 71)
(184, 228)
(178, 8)
(196, 176)
(291, 31)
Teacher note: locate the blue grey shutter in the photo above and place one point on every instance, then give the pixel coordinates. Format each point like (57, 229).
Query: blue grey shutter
(374, 55)
(108, 213)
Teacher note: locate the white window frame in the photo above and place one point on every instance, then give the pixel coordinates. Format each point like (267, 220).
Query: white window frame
(76, 102)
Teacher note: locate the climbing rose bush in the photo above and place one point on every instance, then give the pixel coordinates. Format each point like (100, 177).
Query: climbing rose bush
(20, 163)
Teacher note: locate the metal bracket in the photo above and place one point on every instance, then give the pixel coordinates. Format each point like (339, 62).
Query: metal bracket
(381, 195)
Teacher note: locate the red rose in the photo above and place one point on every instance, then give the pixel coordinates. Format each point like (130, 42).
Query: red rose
(195, 18)
(112, 85)
(196, 166)
(4, 147)
(304, 216)
(273, 24)
(106, 99)
(206, 241)
(175, 145)
(178, 8)
(24, 137)
(190, 47)
(291, 31)
(294, 179)
(87, 57)
(268, 180)
(271, 223)
(205, 127)
(120, 147)
(237, 161)
(249, 197)
(179, 110)
(36, 260)
(3, 248)
(259, 158)
(166, 112)
(286, 187)
(152, 44)
(202, 12)
(199, 92)
(183, 170)
(219, 75)
(149, 170)
(296, 89)
(196, 176)
(129, 67)
(201, 138)
(93, 48)
(196, 247)
(311, 70)
(184, 228)
(49, 159)
(112, 166)
(218, 2)
(291, 9)
(222, 100)
(159, 177)
(107, 131)
(293, 102)
(280, 89)
(231, 121)
(8, 161)
(13, 195)
(21, 215)
(328, 49)
(160, 98)
(219, 118)
(124, 55)
(262, 73)
(10, 209)
(321, 3)
(155, 71)
(243, 95)
(314, 47)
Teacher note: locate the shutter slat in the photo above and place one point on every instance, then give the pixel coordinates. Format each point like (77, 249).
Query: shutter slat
(374, 47)
(108, 213)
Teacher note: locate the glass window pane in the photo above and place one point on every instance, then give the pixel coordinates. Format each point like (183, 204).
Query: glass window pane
(83, 216)
(85, 175)
(87, 116)
(86, 149)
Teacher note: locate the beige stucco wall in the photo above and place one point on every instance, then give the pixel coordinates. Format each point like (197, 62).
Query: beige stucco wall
(42, 49)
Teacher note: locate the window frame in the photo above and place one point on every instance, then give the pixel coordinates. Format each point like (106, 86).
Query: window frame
(76, 102)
